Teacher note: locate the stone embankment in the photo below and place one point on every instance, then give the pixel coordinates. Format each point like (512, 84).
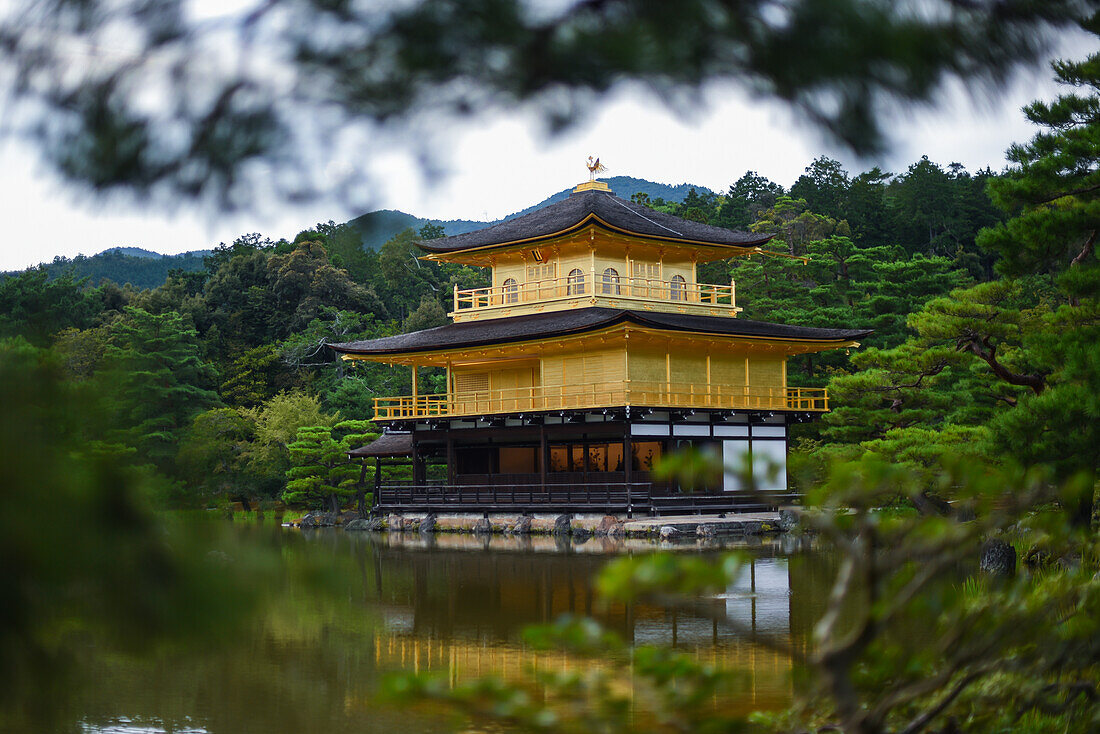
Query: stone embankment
(577, 526)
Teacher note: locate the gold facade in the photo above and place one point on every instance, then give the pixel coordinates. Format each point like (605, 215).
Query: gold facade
(595, 265)
(592, 267)
(620, 366)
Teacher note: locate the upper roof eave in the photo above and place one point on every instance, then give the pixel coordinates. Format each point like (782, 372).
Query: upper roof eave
(748, 248)
(602, 207)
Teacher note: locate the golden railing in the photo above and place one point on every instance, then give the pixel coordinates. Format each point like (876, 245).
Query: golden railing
(603, 395)
(595, 283)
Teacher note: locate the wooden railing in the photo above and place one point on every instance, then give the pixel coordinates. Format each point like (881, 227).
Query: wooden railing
(602, 395)
(595, 283)
(634, 497)
(605, 496)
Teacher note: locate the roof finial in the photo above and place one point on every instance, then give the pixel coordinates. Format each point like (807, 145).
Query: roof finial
(594, 167)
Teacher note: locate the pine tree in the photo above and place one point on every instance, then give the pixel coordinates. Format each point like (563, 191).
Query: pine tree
(1053, 192)
(158, 378)
(321, 474)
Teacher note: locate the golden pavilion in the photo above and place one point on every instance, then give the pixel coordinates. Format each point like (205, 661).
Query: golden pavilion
(594, 352)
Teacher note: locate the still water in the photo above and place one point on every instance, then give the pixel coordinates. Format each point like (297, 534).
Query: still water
(352, 607)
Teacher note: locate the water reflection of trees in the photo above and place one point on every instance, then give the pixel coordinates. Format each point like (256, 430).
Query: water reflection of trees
(457, 605)
(450, 606)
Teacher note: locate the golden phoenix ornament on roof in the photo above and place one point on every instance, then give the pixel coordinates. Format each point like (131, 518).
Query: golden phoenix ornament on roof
(594, 167)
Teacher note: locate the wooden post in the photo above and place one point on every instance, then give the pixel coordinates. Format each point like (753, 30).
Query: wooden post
(450, 392)
(418, 465)
(746, 380)
(377, 480)
(456, 297)
(628, 468)
(545, 463)
(708, 378)
(668, 375)
(592, 267)
(450, 459)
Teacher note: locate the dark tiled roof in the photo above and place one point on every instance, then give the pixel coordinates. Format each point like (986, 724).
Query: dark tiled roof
(579, 321)
(571, 212)
(388, 444)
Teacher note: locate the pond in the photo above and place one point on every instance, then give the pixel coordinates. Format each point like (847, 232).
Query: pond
(353, 607)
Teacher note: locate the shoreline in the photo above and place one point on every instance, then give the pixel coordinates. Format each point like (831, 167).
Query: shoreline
(580, 525)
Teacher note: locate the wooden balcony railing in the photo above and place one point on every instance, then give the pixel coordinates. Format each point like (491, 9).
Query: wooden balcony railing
(595, 283)
(602, 395)
(635, 497)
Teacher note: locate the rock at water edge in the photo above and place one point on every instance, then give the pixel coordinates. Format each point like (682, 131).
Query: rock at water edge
(522, 526)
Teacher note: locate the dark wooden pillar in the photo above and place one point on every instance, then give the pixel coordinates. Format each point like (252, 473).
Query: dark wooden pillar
(418, 465)
(628, 467)
(628, 455)
(544, 449)
(450, 458)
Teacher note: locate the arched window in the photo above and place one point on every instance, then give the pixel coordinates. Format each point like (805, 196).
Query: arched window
(574, 284)
(677, 288)
(511, 291)
(610, 282)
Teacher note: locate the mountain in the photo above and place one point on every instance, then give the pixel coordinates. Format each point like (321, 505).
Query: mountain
(379, 226)
(139, 267)
(143, 268)
(135, 252)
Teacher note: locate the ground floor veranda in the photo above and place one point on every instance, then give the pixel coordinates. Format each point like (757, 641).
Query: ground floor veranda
(596, 461)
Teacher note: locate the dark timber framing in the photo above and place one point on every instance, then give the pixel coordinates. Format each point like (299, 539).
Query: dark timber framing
(629, 489)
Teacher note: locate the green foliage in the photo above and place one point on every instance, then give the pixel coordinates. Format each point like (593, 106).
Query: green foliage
(125, 266)
(153, 367)
(428, 314)
(87, 564)
(320, 473)
(254, 377)
(211, 456)
(1014, 361)
(276, 427)
(35, 307)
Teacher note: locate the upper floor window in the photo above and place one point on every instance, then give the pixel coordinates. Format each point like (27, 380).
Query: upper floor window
(574, 284)
(678, 288)
(511, 291)
(610, 282)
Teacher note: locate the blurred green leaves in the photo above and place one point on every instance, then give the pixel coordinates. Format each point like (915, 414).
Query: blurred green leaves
(233, 111)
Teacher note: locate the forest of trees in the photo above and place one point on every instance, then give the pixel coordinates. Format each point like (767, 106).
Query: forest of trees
(214, 372)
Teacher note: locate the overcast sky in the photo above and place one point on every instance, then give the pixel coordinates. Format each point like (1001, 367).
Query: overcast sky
(506, 162)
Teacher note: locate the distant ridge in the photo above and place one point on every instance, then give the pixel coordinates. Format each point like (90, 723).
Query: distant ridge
(134, 252)
(379, 226)
(143, 268)
(136, 266)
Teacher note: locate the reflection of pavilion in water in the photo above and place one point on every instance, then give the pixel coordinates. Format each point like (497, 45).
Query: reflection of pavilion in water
(462, 613)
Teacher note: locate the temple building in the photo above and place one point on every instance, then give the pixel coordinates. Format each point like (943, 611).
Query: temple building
(594, 352)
